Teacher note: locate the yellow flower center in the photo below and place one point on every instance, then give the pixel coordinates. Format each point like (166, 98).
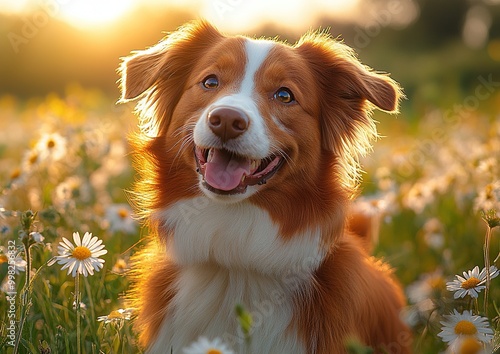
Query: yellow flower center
(3, 258)
(465, 327)
(213, 351)
(122, 213)
(120, 265)
(51, 143)
(470, 283)
(33, 159)
(114, 315)
(81, 253)
(489, 191)
(437, 283)
(470, 345)
(15, 174)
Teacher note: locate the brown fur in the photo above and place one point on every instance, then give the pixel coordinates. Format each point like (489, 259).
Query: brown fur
(353, 294)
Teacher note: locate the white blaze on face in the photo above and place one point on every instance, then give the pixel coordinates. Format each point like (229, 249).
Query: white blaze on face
(254, 143)
(228, 162)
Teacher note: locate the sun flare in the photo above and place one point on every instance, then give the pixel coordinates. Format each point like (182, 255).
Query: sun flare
(90, 13)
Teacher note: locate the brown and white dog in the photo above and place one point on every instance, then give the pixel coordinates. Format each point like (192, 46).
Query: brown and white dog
(248, 158)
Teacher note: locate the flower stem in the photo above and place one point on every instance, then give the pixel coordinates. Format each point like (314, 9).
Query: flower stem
(78, 313)
(487, 267)
(25, 297)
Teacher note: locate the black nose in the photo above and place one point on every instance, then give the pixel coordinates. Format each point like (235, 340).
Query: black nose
(227, 123)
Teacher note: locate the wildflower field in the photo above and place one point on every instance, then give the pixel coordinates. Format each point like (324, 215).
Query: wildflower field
(67, 231)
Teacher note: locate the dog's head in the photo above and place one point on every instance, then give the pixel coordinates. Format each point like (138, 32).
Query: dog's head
(238, 118)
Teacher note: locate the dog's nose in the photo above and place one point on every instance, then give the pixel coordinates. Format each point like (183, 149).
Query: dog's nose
(227, 123)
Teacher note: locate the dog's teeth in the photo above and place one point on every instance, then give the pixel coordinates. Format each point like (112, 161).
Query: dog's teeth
(210, 155)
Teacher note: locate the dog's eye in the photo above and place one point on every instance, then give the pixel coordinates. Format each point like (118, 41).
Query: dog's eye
(210, 82)
(284, 95)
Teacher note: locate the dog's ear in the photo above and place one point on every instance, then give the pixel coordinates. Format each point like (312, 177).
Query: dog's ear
(140, 71)
(348, 92)
(169, 59)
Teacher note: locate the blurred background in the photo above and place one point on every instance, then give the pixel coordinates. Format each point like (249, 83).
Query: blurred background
(435, 49)
(64, 152)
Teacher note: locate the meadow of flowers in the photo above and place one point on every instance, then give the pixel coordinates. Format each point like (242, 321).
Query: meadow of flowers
(67, 232)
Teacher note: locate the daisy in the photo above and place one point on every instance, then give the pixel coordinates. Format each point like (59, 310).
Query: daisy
(471, 283)
(204, 346)
(466, 345)
(419, 196)
(459, 325)
(370, 206)
(20, 265)
(120, 218)
(17, 177)
(82, 259)
(51, 146)
(121, 266)
(488, 197)
(71, 189)
(37, 237)
(433, 233)
(31, 160)
(489, 166)
(428, 286)
(119, 315)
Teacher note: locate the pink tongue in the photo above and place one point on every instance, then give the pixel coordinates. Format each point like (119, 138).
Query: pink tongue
(224, 171)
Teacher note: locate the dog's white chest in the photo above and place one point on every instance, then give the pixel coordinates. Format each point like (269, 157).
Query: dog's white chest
(230, 255)
(205, 306)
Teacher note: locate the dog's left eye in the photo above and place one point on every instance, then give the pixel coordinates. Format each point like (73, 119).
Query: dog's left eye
(210, 82)
(284, 95)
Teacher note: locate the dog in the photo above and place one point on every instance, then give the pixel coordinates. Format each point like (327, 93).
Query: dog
(247, 159)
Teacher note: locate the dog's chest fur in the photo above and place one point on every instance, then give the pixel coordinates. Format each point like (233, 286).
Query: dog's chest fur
(228, 255)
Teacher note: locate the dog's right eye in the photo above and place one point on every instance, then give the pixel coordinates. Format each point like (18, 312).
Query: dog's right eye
(210, 82)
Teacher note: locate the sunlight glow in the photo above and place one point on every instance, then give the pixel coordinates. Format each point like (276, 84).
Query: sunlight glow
(228, 15)
(13, 6)
(237, 15)
(89, 13)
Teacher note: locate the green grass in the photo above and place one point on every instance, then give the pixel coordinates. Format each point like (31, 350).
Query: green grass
(432, 183)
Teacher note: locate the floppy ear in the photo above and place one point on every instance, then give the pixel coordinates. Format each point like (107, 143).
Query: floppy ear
(379, 89)
(140, 71)
(169, 59)
(348, 92)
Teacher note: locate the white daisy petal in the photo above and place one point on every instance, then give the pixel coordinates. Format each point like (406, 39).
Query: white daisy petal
(203, 345)
(93, 242)
(100, 253)
(63, 260)
(67, 263)
(76, 238)
(97, 248)
(86, 238)
(66, 244)
(81, 269)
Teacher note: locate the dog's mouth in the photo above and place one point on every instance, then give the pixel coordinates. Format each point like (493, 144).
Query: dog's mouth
(225, 172)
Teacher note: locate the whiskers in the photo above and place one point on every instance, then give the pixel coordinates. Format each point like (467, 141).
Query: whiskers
(278, 151)
(185, 140)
